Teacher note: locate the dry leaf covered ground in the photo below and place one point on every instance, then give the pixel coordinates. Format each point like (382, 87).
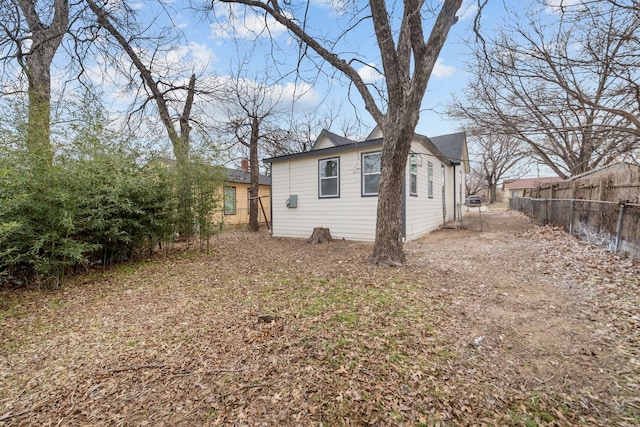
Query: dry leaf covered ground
(514, 325)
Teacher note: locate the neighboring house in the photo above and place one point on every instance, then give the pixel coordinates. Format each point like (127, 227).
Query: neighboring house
(236, 196)
(235, 193)
(335, 185)
(518, 187)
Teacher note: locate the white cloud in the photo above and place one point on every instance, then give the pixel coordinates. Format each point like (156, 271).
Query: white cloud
(244, 23)
(440, 70)
(467, 10)
(281, 96)
(302, 94)
(194, 55)
(369, 73)
(558, 6)
(337, 7)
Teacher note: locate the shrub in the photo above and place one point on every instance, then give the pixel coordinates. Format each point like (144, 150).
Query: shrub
(105, 207)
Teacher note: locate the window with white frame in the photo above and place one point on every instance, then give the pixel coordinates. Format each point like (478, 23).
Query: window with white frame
(430, 180)
(371, 165)
(229, 200)
(329, 177)
(413, 168)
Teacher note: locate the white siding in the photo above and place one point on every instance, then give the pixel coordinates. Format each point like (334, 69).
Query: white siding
(350, 216)
(377, 133)
(323, 142)
(423, 214)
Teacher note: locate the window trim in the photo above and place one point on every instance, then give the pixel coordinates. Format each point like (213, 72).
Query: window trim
(337, 178)
(235, 200)
(413, 173)
(363, 174)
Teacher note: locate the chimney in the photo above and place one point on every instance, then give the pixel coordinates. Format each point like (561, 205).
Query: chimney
(244, 165)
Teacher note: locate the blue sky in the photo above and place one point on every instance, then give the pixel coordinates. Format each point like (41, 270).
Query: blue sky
(215, 44)
(449, 74)
(241, 31)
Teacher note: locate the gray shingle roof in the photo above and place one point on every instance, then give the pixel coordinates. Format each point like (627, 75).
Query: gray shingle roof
(451, 145)
(238, 175)
(446, 147)
(335, 139)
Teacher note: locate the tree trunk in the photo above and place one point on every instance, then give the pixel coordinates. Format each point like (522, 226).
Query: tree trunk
(45, 40)
(39, 125)
(181, 150)
(179, 141)
(320, 235)
(387, 249)
(255, 176)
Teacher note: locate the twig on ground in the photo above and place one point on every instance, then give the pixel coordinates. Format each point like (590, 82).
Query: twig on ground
(209, 372)
(131, 368)
(544, 381)
(9, 416)
(222, 371)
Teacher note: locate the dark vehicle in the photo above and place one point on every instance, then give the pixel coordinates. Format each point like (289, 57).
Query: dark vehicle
(473, 201)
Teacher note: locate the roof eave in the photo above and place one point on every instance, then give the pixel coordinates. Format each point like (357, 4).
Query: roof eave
(326, 151)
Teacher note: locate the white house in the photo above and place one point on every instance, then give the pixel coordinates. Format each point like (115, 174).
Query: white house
(335, 185)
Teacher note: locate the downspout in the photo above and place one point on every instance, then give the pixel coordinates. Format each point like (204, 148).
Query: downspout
(404, 206)
(455, 211)
(271, 199)
(271, 203)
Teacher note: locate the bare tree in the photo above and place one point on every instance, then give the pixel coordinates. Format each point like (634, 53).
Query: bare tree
(475, 179)
(500, 156)
(32, 33)
(160, 92)
(251, 108)
(408, 58)
(304, 128)
(568, 89)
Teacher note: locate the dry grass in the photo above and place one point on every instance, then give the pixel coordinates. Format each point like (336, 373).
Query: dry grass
(266, 331)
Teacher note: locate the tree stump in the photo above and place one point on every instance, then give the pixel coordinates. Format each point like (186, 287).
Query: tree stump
(320, 235)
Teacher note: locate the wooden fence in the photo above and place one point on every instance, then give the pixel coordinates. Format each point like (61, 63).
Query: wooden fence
(615, 226)
(602, 207)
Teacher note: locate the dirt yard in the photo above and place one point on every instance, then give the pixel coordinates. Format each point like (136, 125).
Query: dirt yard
(515, 325)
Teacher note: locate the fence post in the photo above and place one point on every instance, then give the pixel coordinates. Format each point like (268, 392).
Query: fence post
(571, 217)
(619, 228)
(531, 209)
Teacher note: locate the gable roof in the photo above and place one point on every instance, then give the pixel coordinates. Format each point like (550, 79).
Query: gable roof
(327, 151)
(449, 148)
(242, 177)
(335, 139)
(521, 183)
(451, 145)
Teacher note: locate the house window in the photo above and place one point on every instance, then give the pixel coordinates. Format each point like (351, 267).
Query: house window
(329, 177)
(371, 164)
(430, 175)
(413, 161)
(229, 200)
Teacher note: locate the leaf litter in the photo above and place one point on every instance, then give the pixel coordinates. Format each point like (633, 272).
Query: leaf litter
(514, 325)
